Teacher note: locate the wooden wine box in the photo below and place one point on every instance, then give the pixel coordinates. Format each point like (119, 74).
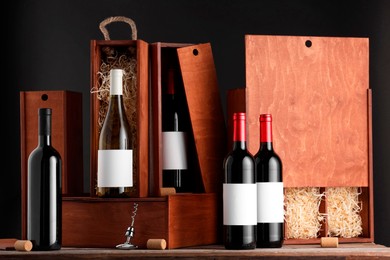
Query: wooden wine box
(207, 137)
(131, 56)
(317, 90)
(182, 219)
(67, 138)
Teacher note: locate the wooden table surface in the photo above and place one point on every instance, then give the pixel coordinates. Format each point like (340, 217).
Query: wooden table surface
(344, 251)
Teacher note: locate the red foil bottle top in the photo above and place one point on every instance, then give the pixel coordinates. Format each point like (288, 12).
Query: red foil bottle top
(265, 128)
(239, 130)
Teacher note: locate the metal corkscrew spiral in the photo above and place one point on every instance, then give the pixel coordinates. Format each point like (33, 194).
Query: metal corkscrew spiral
(130, 232)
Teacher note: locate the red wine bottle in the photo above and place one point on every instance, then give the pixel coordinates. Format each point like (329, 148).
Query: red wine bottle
(239, 191)
(174, 138)
(270, 210)
(44, 202)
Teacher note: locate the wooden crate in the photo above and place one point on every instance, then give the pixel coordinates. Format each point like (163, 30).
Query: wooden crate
(317, 89)
(67, 138)
(141, 148)
(186, 219)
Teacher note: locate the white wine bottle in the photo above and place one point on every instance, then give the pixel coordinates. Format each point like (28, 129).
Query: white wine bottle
(115, 154)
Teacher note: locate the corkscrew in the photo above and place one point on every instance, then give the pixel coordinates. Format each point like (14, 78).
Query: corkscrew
(130, 232)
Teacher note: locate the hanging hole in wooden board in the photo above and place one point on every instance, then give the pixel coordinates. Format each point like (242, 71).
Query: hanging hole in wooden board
(195, 52)
(44, 97)
(308, 43)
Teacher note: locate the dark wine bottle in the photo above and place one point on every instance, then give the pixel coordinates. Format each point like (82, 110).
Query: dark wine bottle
(44, 199)
(239, 191)
(174, 138)
(115, 154)
(270, 210)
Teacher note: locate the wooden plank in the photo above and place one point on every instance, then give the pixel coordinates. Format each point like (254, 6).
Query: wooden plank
(193, 220)
(317, 95)
(348, 251)
(205, 107)
(103, 222)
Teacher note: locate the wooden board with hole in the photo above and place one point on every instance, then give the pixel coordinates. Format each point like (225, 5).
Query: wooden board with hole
(316, 89)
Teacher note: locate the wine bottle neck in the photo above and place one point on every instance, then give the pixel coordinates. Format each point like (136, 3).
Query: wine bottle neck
(44, 129)
(266, 146)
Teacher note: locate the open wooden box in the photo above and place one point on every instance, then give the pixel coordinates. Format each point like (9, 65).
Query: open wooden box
(101, 52)
(317, 90)
(182, 219)
(67, 135)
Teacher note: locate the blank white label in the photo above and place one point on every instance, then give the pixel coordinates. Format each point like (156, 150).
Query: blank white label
(270, 202)
(115, 168)
(174, 150)
(239, 204)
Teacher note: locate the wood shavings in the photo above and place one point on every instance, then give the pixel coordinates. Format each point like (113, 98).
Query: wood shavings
(303, 220)
(343, 212)
(118, 58)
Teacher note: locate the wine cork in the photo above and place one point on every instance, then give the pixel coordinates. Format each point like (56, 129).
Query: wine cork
(329, 242)
(167, 191)
(156, 243)
(23, 245)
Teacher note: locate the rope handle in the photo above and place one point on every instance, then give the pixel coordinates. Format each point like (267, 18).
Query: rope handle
(124, 19)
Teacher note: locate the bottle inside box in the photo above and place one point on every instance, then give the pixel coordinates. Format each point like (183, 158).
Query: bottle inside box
(313, 212)
(184, 176)
(120, 57)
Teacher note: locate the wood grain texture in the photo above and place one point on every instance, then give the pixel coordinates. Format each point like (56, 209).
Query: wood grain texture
(318, 98)
(181, 219)
(141, 157)
(205, 108)
(347, 251)
(193, 220)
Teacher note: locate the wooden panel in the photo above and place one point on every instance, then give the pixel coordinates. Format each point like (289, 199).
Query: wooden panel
(96, 222)
(317, 95)
(67, 134)
(193, 220)
(141, 175)
(181, 219)
(205, 108)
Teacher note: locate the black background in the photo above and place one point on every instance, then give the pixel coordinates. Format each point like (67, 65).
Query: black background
(47, 48)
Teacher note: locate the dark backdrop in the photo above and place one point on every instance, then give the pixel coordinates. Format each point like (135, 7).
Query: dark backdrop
(47, 47)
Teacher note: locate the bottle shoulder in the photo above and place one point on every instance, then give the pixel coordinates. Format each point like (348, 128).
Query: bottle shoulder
(43, 152)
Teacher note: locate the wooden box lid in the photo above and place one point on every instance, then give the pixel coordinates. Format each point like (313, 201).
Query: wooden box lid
(317, 89)
(206, 114)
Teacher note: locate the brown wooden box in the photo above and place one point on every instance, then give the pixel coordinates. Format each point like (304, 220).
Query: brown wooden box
(141, 148)
(67, 137)
(186, 219)
(181, 219)
(204, 107)
(317, 89)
